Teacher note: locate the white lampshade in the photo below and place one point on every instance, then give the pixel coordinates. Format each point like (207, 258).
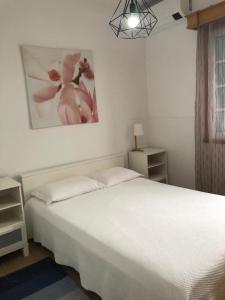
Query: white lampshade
(138, 130)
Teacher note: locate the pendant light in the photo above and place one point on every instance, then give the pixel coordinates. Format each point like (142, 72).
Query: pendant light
(133, 19)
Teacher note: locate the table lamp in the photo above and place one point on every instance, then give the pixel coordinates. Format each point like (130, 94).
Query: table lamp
(138, 131)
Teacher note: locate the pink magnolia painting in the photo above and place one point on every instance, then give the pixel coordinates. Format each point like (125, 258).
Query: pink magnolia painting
(60, 86)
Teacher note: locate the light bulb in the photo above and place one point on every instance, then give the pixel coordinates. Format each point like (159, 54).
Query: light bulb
(133, 21)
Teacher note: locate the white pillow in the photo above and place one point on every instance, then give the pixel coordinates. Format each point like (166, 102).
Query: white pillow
(115, 175)
(67, 188)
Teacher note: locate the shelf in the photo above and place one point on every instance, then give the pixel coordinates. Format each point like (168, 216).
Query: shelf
(156, 164)
(8, 183)
(7, 201)
(159, 177)
(9, 222)
(152, 151)
(11, 248)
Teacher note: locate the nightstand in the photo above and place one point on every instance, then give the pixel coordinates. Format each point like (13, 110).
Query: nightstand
(13, 235)
(152, 163)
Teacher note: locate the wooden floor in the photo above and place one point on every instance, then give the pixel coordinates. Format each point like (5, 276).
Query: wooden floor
(15, 261)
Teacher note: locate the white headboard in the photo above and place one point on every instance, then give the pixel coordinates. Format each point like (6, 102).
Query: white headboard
(32, 180)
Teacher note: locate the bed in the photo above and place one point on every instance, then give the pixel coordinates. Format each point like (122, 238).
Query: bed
(138, 240)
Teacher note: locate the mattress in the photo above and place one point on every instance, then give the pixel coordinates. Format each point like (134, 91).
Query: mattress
(138, 240)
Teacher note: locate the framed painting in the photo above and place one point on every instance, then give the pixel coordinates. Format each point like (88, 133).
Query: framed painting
(60, 86)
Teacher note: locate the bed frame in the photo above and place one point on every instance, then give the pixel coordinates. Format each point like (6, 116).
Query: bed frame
(32, 180)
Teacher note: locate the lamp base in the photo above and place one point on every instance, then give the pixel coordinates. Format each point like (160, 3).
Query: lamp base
(137, 150)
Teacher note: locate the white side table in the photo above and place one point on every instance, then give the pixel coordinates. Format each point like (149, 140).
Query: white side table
(152, 163)
(13, 235)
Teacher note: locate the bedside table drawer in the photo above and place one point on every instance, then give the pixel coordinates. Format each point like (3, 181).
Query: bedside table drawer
(10, 238)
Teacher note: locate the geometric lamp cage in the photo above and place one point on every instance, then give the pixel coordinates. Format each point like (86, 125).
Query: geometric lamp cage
(133, 19)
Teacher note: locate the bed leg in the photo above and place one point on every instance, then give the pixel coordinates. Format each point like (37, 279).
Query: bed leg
(26, 250)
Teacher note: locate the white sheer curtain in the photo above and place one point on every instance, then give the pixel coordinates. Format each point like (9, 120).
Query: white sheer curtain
(210, 109)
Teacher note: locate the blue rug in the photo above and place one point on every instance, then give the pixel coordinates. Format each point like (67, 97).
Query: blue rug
(44, 280)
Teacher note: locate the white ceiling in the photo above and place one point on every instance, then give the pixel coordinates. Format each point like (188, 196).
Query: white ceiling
(162, 10)
(197, 4)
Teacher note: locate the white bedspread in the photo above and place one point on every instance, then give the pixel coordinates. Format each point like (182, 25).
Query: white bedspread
(139, 240)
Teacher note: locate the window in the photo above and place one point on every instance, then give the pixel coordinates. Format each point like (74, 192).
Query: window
(220, 86)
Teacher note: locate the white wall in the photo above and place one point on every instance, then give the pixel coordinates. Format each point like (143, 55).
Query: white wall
(171, 61)
(120, 82)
